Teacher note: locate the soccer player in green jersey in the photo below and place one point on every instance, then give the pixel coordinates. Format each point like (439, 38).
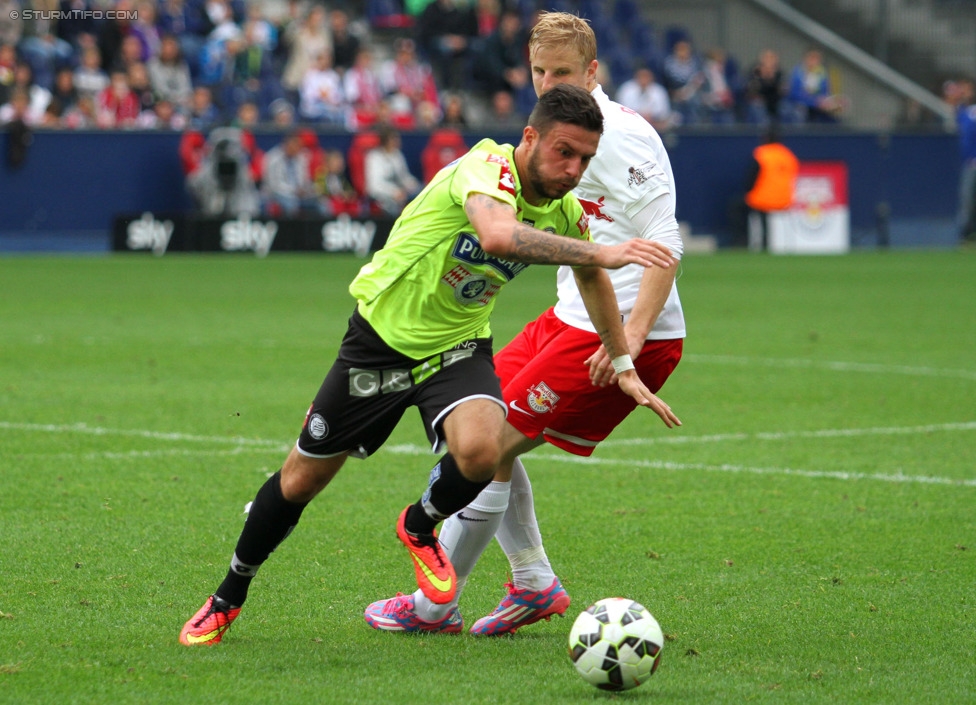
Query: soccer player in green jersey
(420, 336)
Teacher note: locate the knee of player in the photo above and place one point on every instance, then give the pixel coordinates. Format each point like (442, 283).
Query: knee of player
(478, 459)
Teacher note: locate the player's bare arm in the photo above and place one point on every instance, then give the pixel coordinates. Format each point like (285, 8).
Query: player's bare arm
(601, 304)
(653, 293)
(501, 234)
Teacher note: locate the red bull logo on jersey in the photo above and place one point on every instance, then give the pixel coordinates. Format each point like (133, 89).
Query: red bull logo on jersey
(506, 180)
(541, 398)
(594, 209)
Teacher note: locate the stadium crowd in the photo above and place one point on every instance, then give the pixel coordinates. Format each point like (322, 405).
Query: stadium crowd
(420, 64)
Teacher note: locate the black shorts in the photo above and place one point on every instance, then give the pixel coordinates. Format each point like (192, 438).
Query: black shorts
(370, 385)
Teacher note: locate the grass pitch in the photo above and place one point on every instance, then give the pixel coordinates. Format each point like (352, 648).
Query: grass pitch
(808, 535)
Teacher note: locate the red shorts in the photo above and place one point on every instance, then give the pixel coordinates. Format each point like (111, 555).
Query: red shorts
(547, 387)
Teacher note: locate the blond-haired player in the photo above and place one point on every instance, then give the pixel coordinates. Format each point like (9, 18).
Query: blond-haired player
(627, 191)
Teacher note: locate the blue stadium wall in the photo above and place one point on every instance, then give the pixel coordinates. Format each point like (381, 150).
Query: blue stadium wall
(66, 194)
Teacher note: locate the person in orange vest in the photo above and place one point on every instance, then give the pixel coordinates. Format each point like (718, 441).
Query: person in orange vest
(772, 179)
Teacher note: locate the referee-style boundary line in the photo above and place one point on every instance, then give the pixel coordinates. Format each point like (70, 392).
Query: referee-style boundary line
(251, 445)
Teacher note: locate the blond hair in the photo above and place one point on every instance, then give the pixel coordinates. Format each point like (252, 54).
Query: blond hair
(560, 29)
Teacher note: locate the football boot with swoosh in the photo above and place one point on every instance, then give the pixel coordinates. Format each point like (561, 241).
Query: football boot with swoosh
(435, 574)
(208, 625)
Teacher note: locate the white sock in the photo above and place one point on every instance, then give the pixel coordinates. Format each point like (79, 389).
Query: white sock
(520, 538)
(464, 536)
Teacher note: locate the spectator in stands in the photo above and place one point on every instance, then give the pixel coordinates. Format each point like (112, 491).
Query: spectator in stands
(130, 52)
(82, 116)
(81, 28)
(287, 185)
(112, 33)
(38, 96)
(332, 183)
(144, 29)
(18, 108)
(321, 96)
(500, 62)
(214, 55)
(162, 116)
(811, 93)
(45, 52)
(117, 105)
(203, 113)
(248, 116)
(8, 62)
(64, 91)
(487, 14)
(407, 81)
(961, 96)
(11, 30)
(718, 92)
(503, 115)
(169, 74)
(363, 90)
(306, 41)
(282, 113)
(248, 74)
(52, 115)
(683, 77)
(389, 182)
(645, 96)
(90, 79)
(258, 30)
(188, 22)
(139, 84)
(764, 89)
(446, 30)
(345, 44)
(454, 113)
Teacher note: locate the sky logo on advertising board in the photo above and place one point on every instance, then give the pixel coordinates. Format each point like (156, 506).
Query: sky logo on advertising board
(468, 249)
(147, 233)
(247, 234)
(344, 234)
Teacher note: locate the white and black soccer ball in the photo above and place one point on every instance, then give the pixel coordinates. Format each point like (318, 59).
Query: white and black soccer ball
(616, 644)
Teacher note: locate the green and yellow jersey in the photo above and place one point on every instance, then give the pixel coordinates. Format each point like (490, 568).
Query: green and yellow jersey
(432, 287)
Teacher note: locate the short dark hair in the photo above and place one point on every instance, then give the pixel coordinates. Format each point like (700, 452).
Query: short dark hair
(566, 104)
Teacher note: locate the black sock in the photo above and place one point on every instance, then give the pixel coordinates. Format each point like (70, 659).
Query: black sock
(269, 522)
(448, 491)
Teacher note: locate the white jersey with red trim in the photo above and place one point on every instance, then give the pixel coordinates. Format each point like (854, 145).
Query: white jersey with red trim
(631, 168)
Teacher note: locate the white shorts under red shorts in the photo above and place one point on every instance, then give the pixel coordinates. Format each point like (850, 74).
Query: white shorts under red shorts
(547, 387)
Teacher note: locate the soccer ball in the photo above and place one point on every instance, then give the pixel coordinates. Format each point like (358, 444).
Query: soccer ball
(615, 644)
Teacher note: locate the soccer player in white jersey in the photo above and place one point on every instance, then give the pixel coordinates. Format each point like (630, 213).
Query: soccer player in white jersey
(627, 191)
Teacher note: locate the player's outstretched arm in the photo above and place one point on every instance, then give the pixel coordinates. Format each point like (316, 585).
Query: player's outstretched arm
(502, 235)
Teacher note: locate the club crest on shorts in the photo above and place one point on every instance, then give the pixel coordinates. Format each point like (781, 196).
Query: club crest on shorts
(541, 398)
(317, 427)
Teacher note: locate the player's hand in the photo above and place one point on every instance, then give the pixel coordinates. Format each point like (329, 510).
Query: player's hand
(631, 384)
(647, 253)
(601, 366)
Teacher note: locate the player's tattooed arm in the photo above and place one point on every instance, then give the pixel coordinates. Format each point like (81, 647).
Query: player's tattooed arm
(502, 234)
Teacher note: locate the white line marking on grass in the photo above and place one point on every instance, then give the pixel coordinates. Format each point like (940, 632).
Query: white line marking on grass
(829, 365)
(788, 435)
(156, 435)
(143, 454)
(260, 444)
(410, 449)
